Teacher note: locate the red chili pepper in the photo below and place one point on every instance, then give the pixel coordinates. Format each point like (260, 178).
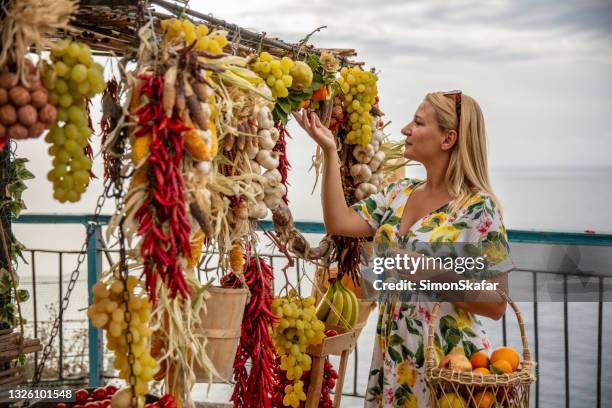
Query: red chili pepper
(162, 216)
(254, 388)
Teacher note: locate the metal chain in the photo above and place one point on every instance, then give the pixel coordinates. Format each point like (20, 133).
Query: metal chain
(74, 276)
(127, 315)
(124, 274)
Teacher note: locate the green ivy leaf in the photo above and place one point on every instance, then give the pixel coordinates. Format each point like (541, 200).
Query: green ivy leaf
(23, 295)
(5, 282)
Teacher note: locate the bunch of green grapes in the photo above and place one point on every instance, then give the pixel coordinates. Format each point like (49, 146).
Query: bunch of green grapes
(275, 72)
(71, 78)
(297, 328)
(108, 312)
(359, 90)
(212, 42)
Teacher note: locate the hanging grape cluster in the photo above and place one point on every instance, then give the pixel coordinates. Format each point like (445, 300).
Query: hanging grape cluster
(297, 328)
(71, 79)
(359, 90)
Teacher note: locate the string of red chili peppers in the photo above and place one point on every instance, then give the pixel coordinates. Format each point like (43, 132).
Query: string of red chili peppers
(162, 216)
(283, 163)
(255, 388)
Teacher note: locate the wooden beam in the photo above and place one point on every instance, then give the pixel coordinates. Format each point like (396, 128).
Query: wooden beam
(108, 3)
(244, 33)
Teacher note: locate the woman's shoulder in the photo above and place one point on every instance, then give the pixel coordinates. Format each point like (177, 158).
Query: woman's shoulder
(480, 204)
(397, 188)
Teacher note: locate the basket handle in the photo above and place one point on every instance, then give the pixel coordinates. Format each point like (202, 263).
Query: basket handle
(430, 361)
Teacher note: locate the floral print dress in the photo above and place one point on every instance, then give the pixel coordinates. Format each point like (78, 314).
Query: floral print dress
(397, 373)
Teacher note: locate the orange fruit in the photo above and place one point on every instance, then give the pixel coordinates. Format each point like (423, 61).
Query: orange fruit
(482, 370)
(507, 354)
(484, 399)
(479, 360)
(503, 366)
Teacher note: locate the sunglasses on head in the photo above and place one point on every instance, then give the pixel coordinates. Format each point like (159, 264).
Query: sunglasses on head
(456, 95)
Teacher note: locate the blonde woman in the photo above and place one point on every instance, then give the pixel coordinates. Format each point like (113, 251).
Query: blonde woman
(453, 205)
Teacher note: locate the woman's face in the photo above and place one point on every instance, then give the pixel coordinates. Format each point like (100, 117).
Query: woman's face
(424, 139)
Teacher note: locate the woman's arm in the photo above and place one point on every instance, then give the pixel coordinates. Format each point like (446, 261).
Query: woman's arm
(338, 217)
(495, 306)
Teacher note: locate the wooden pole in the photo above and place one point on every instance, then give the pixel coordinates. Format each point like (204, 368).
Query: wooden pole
(316, 382)
(340, 382)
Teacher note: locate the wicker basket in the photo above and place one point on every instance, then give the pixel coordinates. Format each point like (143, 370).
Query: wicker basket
(449, 388)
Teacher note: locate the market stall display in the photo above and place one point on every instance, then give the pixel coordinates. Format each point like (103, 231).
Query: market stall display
(194, 143)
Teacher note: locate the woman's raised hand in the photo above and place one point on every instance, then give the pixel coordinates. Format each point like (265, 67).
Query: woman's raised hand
(339, 219)
(310, 122)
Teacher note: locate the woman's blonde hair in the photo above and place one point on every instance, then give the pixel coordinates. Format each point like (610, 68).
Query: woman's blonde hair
(467, 170)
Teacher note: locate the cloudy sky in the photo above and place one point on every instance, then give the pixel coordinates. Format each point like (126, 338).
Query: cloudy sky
(539, 69)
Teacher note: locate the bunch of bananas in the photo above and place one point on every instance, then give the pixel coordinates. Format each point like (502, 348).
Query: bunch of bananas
(339, 306)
